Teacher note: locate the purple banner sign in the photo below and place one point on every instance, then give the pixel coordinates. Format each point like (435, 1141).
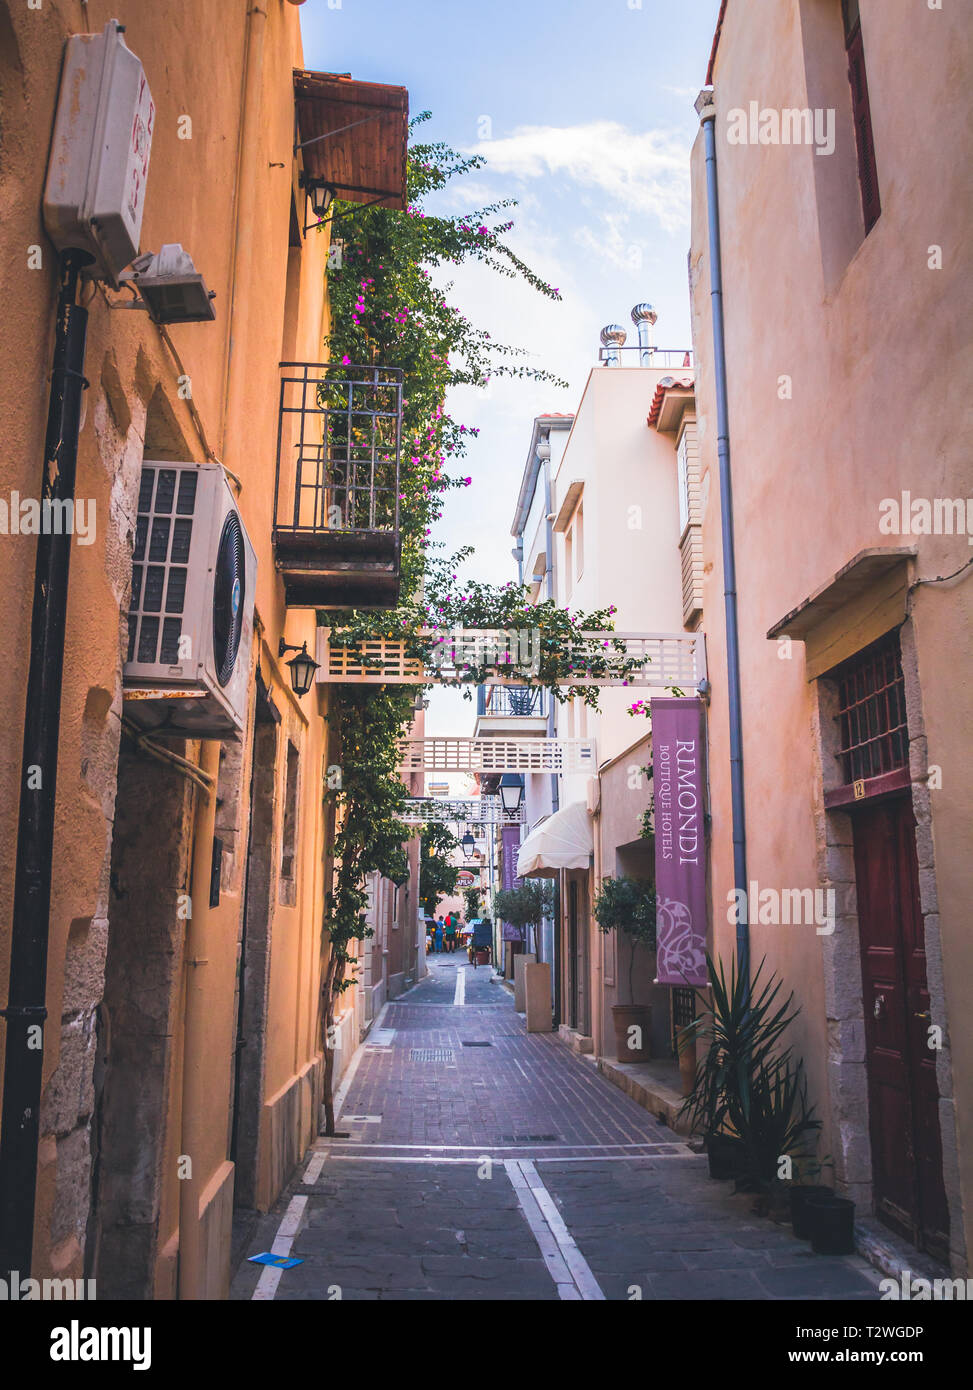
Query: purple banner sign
(510, 846)
(680, 849)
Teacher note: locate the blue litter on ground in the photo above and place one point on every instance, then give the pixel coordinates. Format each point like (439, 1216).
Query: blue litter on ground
(278, 1261)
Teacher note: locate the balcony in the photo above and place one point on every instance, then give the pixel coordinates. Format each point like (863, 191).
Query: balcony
(506, 710)
(336, 497)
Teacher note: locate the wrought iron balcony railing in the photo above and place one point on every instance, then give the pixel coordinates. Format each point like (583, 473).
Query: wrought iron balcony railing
(523, 700)
(336, 499)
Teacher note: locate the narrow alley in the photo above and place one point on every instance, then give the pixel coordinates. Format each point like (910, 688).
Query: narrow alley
(485, 1162)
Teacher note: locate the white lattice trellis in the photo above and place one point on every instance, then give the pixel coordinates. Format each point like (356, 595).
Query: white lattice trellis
(472, 810)
(498, 755)
(665, 659)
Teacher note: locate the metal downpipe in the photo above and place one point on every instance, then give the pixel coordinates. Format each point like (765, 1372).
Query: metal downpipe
(707, 113)
(26, 1011)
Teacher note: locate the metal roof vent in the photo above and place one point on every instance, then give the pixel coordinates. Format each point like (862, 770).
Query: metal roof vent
(613, 337)
(644, 317)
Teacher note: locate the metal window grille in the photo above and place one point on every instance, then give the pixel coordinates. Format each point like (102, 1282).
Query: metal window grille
(872, 725)
(683, 1007)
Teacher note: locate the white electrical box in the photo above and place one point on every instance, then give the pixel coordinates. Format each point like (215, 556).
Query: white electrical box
(95, 189)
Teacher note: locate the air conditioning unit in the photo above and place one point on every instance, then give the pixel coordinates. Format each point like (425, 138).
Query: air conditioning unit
(190, 624)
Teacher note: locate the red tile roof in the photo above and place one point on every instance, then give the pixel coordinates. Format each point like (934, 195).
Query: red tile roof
(667, 383)
(716, 44)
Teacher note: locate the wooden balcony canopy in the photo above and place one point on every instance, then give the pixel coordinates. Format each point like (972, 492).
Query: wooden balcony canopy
(365, 130)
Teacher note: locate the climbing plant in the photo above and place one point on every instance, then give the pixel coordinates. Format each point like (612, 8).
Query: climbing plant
(390, 308)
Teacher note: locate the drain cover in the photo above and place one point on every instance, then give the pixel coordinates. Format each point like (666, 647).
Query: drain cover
(430, 1054)
(478, 1044)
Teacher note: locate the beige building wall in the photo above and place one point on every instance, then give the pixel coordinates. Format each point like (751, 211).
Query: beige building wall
(849, 366)
(616, 543)
(225, 194)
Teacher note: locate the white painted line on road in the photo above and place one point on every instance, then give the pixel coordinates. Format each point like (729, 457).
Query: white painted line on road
(459, 997)
(397, 1158)
(556, 1266)
(481, 1155)
(289, 1226)
(313, 1170)
(580, 1272)
(493, 1148)
(565, 1262)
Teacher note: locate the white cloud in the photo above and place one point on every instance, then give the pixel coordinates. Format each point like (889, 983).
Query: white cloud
(644, 173)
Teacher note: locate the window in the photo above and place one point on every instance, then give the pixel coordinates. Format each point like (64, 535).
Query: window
(579, 542)
(288, 846)
(682, 461)
(872, 726)
(861, 112)
(569, 563)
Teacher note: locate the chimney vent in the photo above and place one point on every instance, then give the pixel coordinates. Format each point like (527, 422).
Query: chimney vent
(613, 337)
(644, 316)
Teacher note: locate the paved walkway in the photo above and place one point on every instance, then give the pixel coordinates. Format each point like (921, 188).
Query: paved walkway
(483, 1162)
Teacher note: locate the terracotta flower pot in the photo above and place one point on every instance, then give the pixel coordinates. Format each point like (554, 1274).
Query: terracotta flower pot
(627, 1017)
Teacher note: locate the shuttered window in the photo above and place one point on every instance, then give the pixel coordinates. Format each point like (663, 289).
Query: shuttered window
(861, 114)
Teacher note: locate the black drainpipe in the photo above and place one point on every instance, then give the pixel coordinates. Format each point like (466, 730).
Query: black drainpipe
(27, 987)
(707, 113)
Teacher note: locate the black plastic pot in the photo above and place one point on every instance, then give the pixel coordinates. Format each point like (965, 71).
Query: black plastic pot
(799, 1212)
(723, 1152)
(832, 1223)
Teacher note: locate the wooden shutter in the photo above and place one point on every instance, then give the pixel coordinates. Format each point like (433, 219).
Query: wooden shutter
(861, 112)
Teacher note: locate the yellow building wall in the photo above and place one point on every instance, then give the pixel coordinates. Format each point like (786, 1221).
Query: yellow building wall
(225, 194)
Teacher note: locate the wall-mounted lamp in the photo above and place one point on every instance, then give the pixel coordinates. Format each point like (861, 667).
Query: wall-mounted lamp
(320, 195)
(302, 667)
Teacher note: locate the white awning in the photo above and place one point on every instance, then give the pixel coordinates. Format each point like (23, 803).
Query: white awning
(563, 841)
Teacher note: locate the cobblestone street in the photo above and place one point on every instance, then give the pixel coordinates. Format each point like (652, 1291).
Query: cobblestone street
(484, 1162)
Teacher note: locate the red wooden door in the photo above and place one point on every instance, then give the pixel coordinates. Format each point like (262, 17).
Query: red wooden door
(902, 1091)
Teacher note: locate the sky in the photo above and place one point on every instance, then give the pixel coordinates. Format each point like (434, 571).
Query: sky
(584, 112)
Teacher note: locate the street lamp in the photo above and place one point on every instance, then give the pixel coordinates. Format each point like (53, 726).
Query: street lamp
(302, 667)
(469, 844)
(511, 792)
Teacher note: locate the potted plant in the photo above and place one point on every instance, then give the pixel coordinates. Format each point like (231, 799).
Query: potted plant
(808, 1173)
(525, 906)
(628, 905)
(749, 1095)
(831, 1223)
